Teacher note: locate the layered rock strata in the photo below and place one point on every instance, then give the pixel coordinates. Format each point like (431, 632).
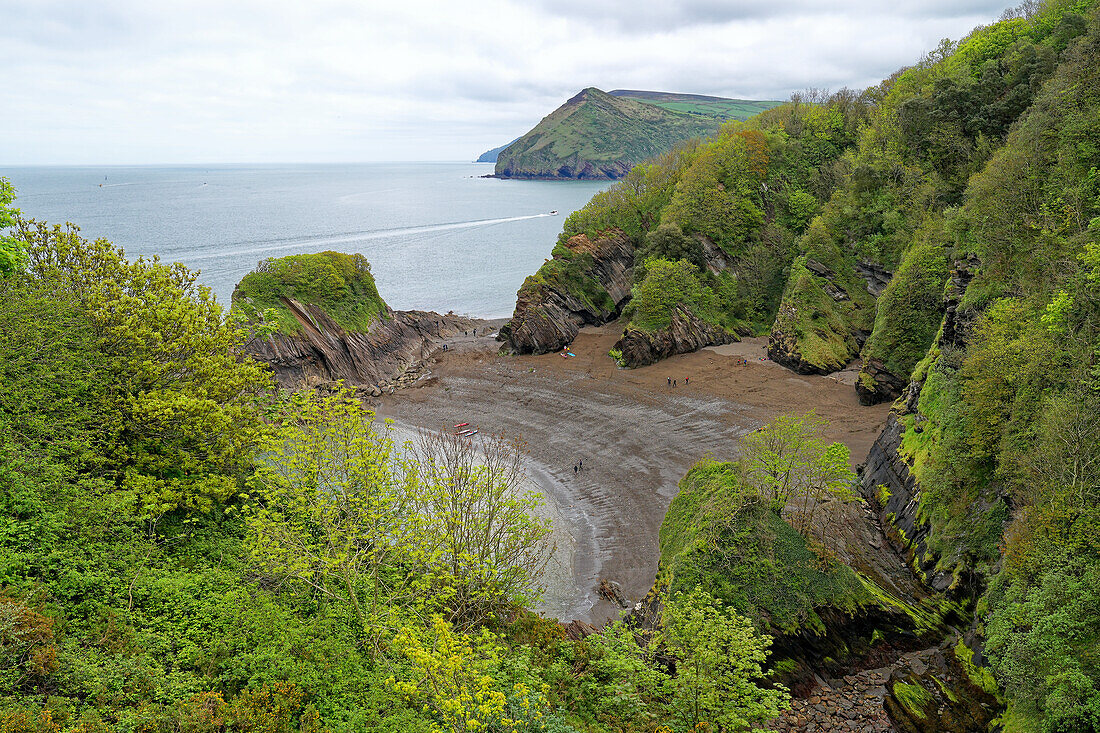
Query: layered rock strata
(551, 307)
(325, 352)
(685, 334)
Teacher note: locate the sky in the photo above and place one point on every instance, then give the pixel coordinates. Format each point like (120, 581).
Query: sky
(234, 81)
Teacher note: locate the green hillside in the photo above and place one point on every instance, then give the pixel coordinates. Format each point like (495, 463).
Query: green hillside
(698, 104)
(597, 136)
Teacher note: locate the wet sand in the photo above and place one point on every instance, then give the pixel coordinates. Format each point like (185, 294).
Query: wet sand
(635, 434)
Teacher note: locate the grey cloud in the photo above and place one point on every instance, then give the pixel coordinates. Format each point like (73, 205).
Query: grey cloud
(658, 17)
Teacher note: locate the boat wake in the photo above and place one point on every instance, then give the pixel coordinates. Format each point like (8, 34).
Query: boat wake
(274, 245)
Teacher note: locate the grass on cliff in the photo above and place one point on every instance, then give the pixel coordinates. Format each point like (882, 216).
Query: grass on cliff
(340, 284)
(909, 310)
(571, 273)
(720, 535)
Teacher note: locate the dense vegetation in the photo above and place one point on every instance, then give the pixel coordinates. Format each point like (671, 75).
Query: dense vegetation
(732, 206)
(973, 177)
(341, 284)
(183, 548)
(595, 135)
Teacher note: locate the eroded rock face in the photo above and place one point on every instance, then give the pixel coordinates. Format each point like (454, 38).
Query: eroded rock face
(685, 334)
(893, 491)
(548, 317)
(876, 276)
(877, 384)
(325, 352)
(957, 323)
(931, 693)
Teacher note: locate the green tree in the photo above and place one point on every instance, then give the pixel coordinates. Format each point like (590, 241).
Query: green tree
(333, 510)
(719, 665)
(789, 463)
(490, 547)
(452, 675)
(180, 420)
(11, 254)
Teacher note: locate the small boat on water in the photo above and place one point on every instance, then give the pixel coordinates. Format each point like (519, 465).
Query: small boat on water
(461, 425)
(553, 212)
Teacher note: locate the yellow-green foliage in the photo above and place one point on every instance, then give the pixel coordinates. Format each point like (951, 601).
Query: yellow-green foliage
(718, 195)
(666, 286)
(720, 535)
(341, 284)
(451, 675)
(913, 698)
(908, 312)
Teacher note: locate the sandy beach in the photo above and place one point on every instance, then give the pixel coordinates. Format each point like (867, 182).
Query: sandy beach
(635, 434)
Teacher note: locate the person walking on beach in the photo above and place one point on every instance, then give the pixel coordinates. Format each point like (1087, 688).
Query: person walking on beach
(574, 470)
(669, 381)
(686, 380)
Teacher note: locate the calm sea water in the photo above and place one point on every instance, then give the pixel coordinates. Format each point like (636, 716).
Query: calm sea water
(438, 236)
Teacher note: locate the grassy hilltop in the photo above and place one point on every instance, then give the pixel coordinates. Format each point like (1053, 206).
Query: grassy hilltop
(597, 135)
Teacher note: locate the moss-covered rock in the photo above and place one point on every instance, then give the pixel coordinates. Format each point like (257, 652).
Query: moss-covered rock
(823, 316)
(907, 318)
(586, 282)
(340, 284)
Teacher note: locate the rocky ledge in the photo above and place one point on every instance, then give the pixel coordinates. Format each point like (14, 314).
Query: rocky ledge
(685, 334)
(587, 284)
(325, 352)
(878, 384)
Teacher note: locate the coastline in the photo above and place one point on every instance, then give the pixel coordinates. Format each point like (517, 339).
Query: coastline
(636, 435)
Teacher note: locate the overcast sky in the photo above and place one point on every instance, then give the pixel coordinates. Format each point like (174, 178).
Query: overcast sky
(224, 81)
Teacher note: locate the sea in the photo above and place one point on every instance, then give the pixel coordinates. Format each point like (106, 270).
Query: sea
(439, 236)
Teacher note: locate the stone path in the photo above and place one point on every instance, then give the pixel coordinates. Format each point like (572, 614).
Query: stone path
(851, 703)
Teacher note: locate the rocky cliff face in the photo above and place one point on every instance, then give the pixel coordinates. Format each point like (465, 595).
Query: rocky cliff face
(889, 487)
(325, 352)
(887, 483)
(685, 334)
(819, 327)
(877, 384)
(589, 288)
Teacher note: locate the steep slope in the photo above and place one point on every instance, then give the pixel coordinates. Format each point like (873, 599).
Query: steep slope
(490, 156)
(723, 216)
(319, 318)
(597, 136)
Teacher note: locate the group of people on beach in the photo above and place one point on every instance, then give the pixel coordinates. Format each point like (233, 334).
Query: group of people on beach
(578, 467)
(672, 382)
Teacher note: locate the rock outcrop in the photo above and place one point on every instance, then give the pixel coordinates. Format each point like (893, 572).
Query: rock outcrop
(587, 283)
(686, 333)
(891, 489)
(325, 352)
(821, 322)
(877, 384)
(876, 276)
(956, 323)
